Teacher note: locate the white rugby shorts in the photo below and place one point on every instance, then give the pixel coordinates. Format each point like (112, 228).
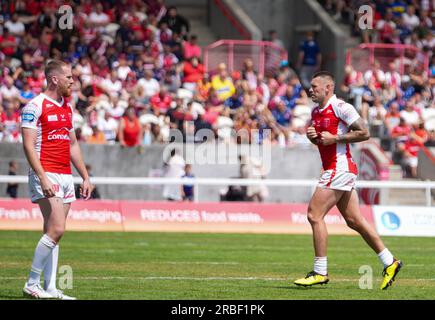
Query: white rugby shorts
(338, 180)
(63, 185)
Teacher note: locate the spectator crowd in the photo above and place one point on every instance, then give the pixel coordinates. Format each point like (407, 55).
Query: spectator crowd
(395, 96)
(138, 75)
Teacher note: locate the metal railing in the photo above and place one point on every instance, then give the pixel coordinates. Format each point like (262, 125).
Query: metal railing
(196, 182)
(364, 56)
(265, 55)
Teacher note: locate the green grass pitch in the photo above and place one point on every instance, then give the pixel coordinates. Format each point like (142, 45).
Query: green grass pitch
(172, 266)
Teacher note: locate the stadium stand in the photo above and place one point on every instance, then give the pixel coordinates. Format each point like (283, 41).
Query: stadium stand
(390, 76)
(144, 55)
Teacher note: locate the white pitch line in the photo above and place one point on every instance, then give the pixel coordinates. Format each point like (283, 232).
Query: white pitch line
(200, 278)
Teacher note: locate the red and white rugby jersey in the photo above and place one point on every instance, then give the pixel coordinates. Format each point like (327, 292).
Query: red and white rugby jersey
(335, 117)
(53, 122)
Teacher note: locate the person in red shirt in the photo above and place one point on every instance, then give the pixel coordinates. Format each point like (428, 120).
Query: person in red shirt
(36, 81)
(130, 130)
(334, 125)
(161, 101)
(8, 43)
(410, 151)
(191, 48)
(50, 146)
(401, 132)
(193, 72)
(10, 119)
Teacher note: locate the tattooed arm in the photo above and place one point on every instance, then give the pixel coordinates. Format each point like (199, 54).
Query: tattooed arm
(359, 132)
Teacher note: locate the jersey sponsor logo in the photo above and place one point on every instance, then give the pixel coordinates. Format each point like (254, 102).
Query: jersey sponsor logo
(27, 117)
(56, 135)
(52, 117)
(49, 105)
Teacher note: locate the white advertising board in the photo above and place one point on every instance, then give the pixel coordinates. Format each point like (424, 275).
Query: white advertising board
(405, 221)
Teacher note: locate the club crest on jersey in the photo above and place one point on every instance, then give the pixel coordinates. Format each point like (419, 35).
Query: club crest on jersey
(52, 117)
(326, 123)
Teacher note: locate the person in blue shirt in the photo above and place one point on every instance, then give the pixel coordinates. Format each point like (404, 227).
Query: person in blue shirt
(281, 114)
(234, 102)
(188, 189)
(309, 60)
(398, 7)
(291, 95)
(26, 94)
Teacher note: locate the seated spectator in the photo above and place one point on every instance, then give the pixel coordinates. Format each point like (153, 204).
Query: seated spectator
(26, 94)
(410, 116)
(249, 74)
(111, 84)
(109, 126)
(161, 101)
(168, 60)
(191, 48)
(223, 84)
(410, 19)
(98, 19)
(203, 87)
(410, 151)
(234, 102)
(164, 34)
(401, 132)
(386, 27)
(392, 118)
(193, 72)
(15, 26)
(8, 43)
(281, 114)
(8, 90)
(10, 119)
(150, 85)
(97, 136)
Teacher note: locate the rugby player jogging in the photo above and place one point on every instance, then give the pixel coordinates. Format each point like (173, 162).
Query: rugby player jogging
(335, 124)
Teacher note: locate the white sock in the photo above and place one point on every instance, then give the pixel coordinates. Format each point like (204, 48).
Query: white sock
(50, 270)
(386, 257)
(42, 252)
(321, 265)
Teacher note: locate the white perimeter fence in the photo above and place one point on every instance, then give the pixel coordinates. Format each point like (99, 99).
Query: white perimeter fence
(197, 182)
